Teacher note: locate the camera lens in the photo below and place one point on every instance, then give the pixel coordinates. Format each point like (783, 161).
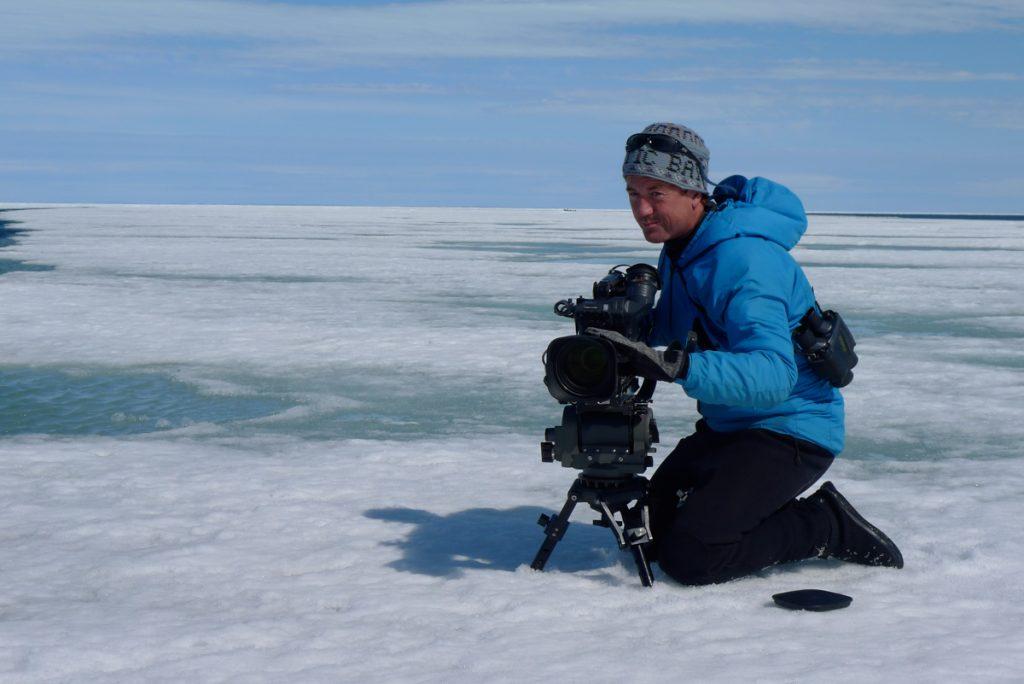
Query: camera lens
(581, 368)
(584, 366)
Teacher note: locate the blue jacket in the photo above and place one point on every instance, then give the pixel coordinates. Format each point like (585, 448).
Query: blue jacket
(737, 277)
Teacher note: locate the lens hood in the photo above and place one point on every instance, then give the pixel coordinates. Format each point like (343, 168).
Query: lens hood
(581, 368)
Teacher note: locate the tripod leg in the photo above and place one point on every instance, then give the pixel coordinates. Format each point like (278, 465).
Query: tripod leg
(642, 565)
(554, 530)
(633, 534)
(636, 520)
(609, 521)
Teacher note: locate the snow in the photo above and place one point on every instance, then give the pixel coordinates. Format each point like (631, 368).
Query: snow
(301, 444)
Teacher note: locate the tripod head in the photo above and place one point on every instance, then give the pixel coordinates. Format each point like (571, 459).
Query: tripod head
(605, 439)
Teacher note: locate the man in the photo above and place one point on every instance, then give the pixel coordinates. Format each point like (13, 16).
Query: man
(723, 503)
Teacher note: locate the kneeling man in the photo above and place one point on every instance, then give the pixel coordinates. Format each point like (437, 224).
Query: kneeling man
(723, 503)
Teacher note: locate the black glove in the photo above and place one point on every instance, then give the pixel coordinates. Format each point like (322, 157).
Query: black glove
(646, 362)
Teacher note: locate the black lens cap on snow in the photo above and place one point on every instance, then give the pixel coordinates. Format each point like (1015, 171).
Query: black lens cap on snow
(812, 599)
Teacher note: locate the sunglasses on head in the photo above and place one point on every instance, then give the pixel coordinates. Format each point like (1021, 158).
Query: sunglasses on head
(665, 144)
(659, 142)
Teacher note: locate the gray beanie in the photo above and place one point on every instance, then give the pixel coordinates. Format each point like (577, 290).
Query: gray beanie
(678, 169)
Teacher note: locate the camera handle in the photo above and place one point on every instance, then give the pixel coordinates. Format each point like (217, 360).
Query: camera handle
(646, 390)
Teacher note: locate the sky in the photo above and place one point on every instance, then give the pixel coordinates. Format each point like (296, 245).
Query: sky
(868, 106)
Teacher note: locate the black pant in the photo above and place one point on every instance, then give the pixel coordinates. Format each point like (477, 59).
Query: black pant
(723, 504)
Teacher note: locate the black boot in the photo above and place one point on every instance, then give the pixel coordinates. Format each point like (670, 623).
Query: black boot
(853, 538)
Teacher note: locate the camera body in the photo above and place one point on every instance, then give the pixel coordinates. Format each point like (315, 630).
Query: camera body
(607, 426)
(623, 301)
(585, 368)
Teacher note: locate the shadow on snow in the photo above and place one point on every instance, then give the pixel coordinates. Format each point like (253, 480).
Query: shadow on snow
(493, 539)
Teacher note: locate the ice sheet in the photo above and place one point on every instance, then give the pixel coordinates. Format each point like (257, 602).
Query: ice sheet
(300, 443)
(389, 561)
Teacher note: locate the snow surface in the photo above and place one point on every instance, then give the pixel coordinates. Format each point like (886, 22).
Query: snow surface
(301, 444)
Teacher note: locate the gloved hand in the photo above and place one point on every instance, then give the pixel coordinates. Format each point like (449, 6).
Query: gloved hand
(645, 361)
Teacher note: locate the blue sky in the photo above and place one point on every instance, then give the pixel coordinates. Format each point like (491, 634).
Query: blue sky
(858, 106)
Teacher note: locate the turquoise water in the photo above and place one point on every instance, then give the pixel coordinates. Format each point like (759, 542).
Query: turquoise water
(11, 265)
(345, 401)
(105, 401)
(95, 401)
(299, 306)
(867, 324)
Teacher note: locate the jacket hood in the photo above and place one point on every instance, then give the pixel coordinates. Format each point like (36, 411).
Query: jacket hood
(756, 207)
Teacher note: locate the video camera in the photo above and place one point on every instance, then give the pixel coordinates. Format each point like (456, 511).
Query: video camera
(607, 426)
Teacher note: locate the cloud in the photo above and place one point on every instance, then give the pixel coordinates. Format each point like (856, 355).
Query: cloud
(20, 166)
(90, 106)
(1008, 117)
(814, 182)
(1000, 187)
(770, 109)
(297, 34)
(634, 104)
(820, 70)
(360, 89)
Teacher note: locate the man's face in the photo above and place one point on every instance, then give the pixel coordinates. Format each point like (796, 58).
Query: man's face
(663, 211)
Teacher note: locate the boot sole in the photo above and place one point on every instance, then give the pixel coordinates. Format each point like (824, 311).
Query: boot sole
(847, 508)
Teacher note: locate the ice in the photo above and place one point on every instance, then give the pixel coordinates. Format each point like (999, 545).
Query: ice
(300, 444)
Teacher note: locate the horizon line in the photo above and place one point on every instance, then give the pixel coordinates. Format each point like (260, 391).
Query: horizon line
(867, 214)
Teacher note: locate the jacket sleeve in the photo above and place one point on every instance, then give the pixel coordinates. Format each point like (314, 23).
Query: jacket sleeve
(745, 290)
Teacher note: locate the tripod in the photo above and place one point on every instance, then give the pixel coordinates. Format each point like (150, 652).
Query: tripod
(607, 496)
